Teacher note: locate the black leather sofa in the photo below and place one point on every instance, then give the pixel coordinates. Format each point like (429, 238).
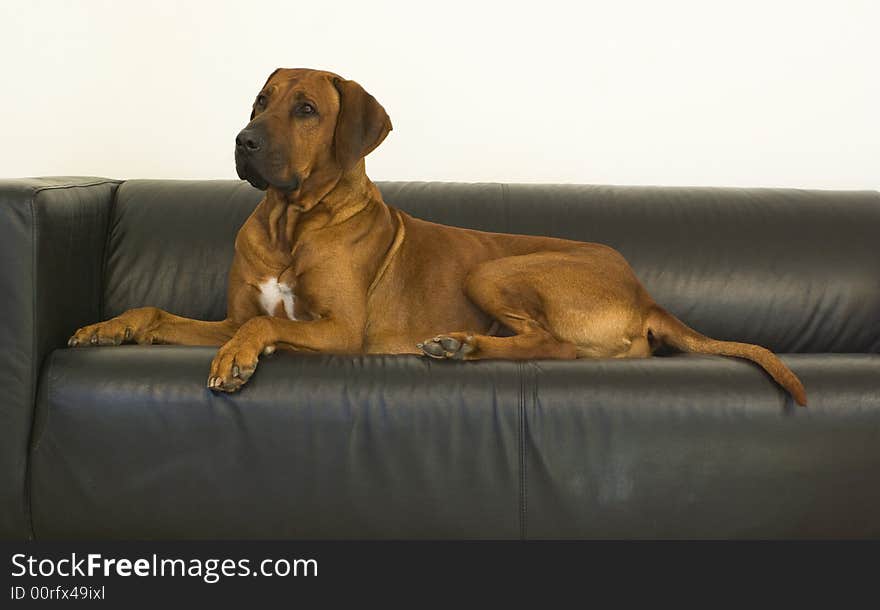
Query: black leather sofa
(127, 442)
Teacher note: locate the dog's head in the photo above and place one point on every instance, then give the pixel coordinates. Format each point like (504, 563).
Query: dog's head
(307, 124)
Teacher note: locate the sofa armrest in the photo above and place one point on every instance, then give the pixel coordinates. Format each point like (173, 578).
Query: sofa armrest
(52, 237)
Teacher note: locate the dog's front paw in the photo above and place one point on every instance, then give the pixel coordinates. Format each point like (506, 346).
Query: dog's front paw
(111, 332)
(233, 365)
(454, 346)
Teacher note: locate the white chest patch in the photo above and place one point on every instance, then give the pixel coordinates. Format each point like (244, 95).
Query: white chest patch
(272, 293)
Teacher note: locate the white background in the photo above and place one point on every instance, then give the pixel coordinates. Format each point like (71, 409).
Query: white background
(747, 92)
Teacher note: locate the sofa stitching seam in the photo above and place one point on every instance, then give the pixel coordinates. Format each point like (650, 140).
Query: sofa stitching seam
(105, 254)
(505, 205)
(37, 442)
(32, 385)
(522, 460)
(533, 379)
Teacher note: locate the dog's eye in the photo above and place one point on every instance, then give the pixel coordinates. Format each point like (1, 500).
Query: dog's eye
(304, 109)
(261, 100)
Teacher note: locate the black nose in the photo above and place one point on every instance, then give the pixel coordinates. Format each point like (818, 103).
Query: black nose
(248, 140)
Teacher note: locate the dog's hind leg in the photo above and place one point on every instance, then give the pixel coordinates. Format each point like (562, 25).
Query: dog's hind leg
(559, 305)
(535, 343)
(499, 290)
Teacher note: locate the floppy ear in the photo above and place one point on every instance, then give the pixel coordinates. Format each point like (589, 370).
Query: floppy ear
(253, 112)
(361, 126)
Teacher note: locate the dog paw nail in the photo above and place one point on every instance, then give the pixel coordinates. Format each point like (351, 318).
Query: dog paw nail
(127, 334)
(94, 340)
(236, 372)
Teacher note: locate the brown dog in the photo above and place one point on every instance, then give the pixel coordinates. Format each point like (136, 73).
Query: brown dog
(323, 264)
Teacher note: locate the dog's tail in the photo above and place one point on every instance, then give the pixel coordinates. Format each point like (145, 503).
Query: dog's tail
(668, 329)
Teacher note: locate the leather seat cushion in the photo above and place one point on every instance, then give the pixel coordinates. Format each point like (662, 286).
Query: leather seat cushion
(130, 443)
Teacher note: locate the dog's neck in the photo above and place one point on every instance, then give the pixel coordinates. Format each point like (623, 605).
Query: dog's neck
(352, 193)
(318, 203)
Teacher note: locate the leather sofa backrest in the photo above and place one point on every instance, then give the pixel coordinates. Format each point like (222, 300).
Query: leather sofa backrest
(793, 270)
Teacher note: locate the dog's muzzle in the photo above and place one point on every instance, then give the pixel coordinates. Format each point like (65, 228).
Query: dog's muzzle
(248, 143)
(246, 171)
(251, 152)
